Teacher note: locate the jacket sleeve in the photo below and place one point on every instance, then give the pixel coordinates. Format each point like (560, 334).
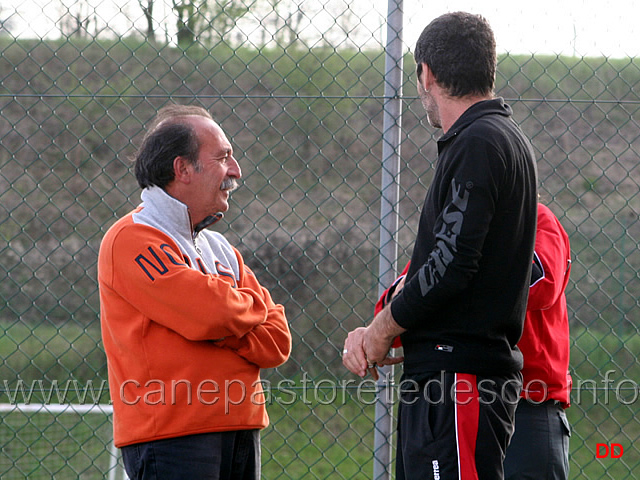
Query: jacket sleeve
(269, 343)
(146, 270)
(552, 262)
(386, 297)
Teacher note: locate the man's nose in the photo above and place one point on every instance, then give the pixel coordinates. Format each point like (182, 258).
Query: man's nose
(234, 168)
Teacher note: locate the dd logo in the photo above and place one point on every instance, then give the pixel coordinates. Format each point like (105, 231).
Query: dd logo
(614, 450)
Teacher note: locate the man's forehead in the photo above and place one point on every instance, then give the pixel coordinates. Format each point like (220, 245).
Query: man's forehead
(193, 120)
(199, 120)
(208, 129)
(206, 126)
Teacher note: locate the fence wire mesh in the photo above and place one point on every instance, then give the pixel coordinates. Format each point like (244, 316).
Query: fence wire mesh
(299, 89)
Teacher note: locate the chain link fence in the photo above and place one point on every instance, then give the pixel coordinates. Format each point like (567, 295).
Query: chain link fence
(299, 88)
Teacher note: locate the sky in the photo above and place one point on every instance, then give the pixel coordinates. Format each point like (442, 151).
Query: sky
(568, 27)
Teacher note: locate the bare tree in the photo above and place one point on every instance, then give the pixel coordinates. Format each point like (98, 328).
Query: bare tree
(189, 15)
(76, 22)
(224, 16)
(293, 25)
(281, 23)
(6, 19)
(147, 10)
(207, 20)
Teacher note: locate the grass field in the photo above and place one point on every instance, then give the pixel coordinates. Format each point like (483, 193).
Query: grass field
(304, 441)
(315, 433)
(315, 440)
(44, 446)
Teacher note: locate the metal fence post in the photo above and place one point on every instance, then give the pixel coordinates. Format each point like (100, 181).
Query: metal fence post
(390, 189)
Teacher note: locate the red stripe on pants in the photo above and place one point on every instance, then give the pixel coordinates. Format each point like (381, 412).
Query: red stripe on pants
(467, 407)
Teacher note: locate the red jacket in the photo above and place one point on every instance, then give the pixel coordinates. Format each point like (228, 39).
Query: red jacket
(545, 342)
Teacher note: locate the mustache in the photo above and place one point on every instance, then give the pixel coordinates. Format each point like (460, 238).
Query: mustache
(229, 184)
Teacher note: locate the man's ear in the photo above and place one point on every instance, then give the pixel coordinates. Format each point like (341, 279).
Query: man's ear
(182, 170)
(426, 78)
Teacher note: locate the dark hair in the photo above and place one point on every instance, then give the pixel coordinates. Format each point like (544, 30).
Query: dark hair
(170, 136)
(460, 50)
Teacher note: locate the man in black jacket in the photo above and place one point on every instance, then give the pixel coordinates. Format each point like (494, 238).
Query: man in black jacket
(461, 310)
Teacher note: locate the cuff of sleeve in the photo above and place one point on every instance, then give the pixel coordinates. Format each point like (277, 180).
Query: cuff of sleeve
(400, 312)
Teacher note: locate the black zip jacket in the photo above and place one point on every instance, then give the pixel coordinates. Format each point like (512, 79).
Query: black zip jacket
(465, 297)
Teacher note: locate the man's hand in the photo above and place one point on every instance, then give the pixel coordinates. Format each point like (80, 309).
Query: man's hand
(366, 348)
(353, 356)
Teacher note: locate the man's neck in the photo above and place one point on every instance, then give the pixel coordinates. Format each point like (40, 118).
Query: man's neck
(452, 108)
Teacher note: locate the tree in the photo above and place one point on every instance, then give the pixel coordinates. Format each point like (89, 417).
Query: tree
(281, 23)
(189, 19)
(147, 10)
(224, 17)
(206, 20)
(292, 23)
(6, 20)
(76, 22)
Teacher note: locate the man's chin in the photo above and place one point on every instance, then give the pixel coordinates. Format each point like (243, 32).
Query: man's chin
(434, 119)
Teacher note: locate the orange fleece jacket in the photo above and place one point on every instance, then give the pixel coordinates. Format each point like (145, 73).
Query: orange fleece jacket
(186, 330)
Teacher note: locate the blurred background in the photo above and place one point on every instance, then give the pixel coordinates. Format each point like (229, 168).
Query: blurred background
(308, 93)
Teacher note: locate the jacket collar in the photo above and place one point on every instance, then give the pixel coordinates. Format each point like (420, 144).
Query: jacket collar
(172, 214)
(166, 211)
(495, 106)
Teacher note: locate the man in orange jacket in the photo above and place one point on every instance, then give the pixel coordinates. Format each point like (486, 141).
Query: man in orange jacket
(186, 325)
